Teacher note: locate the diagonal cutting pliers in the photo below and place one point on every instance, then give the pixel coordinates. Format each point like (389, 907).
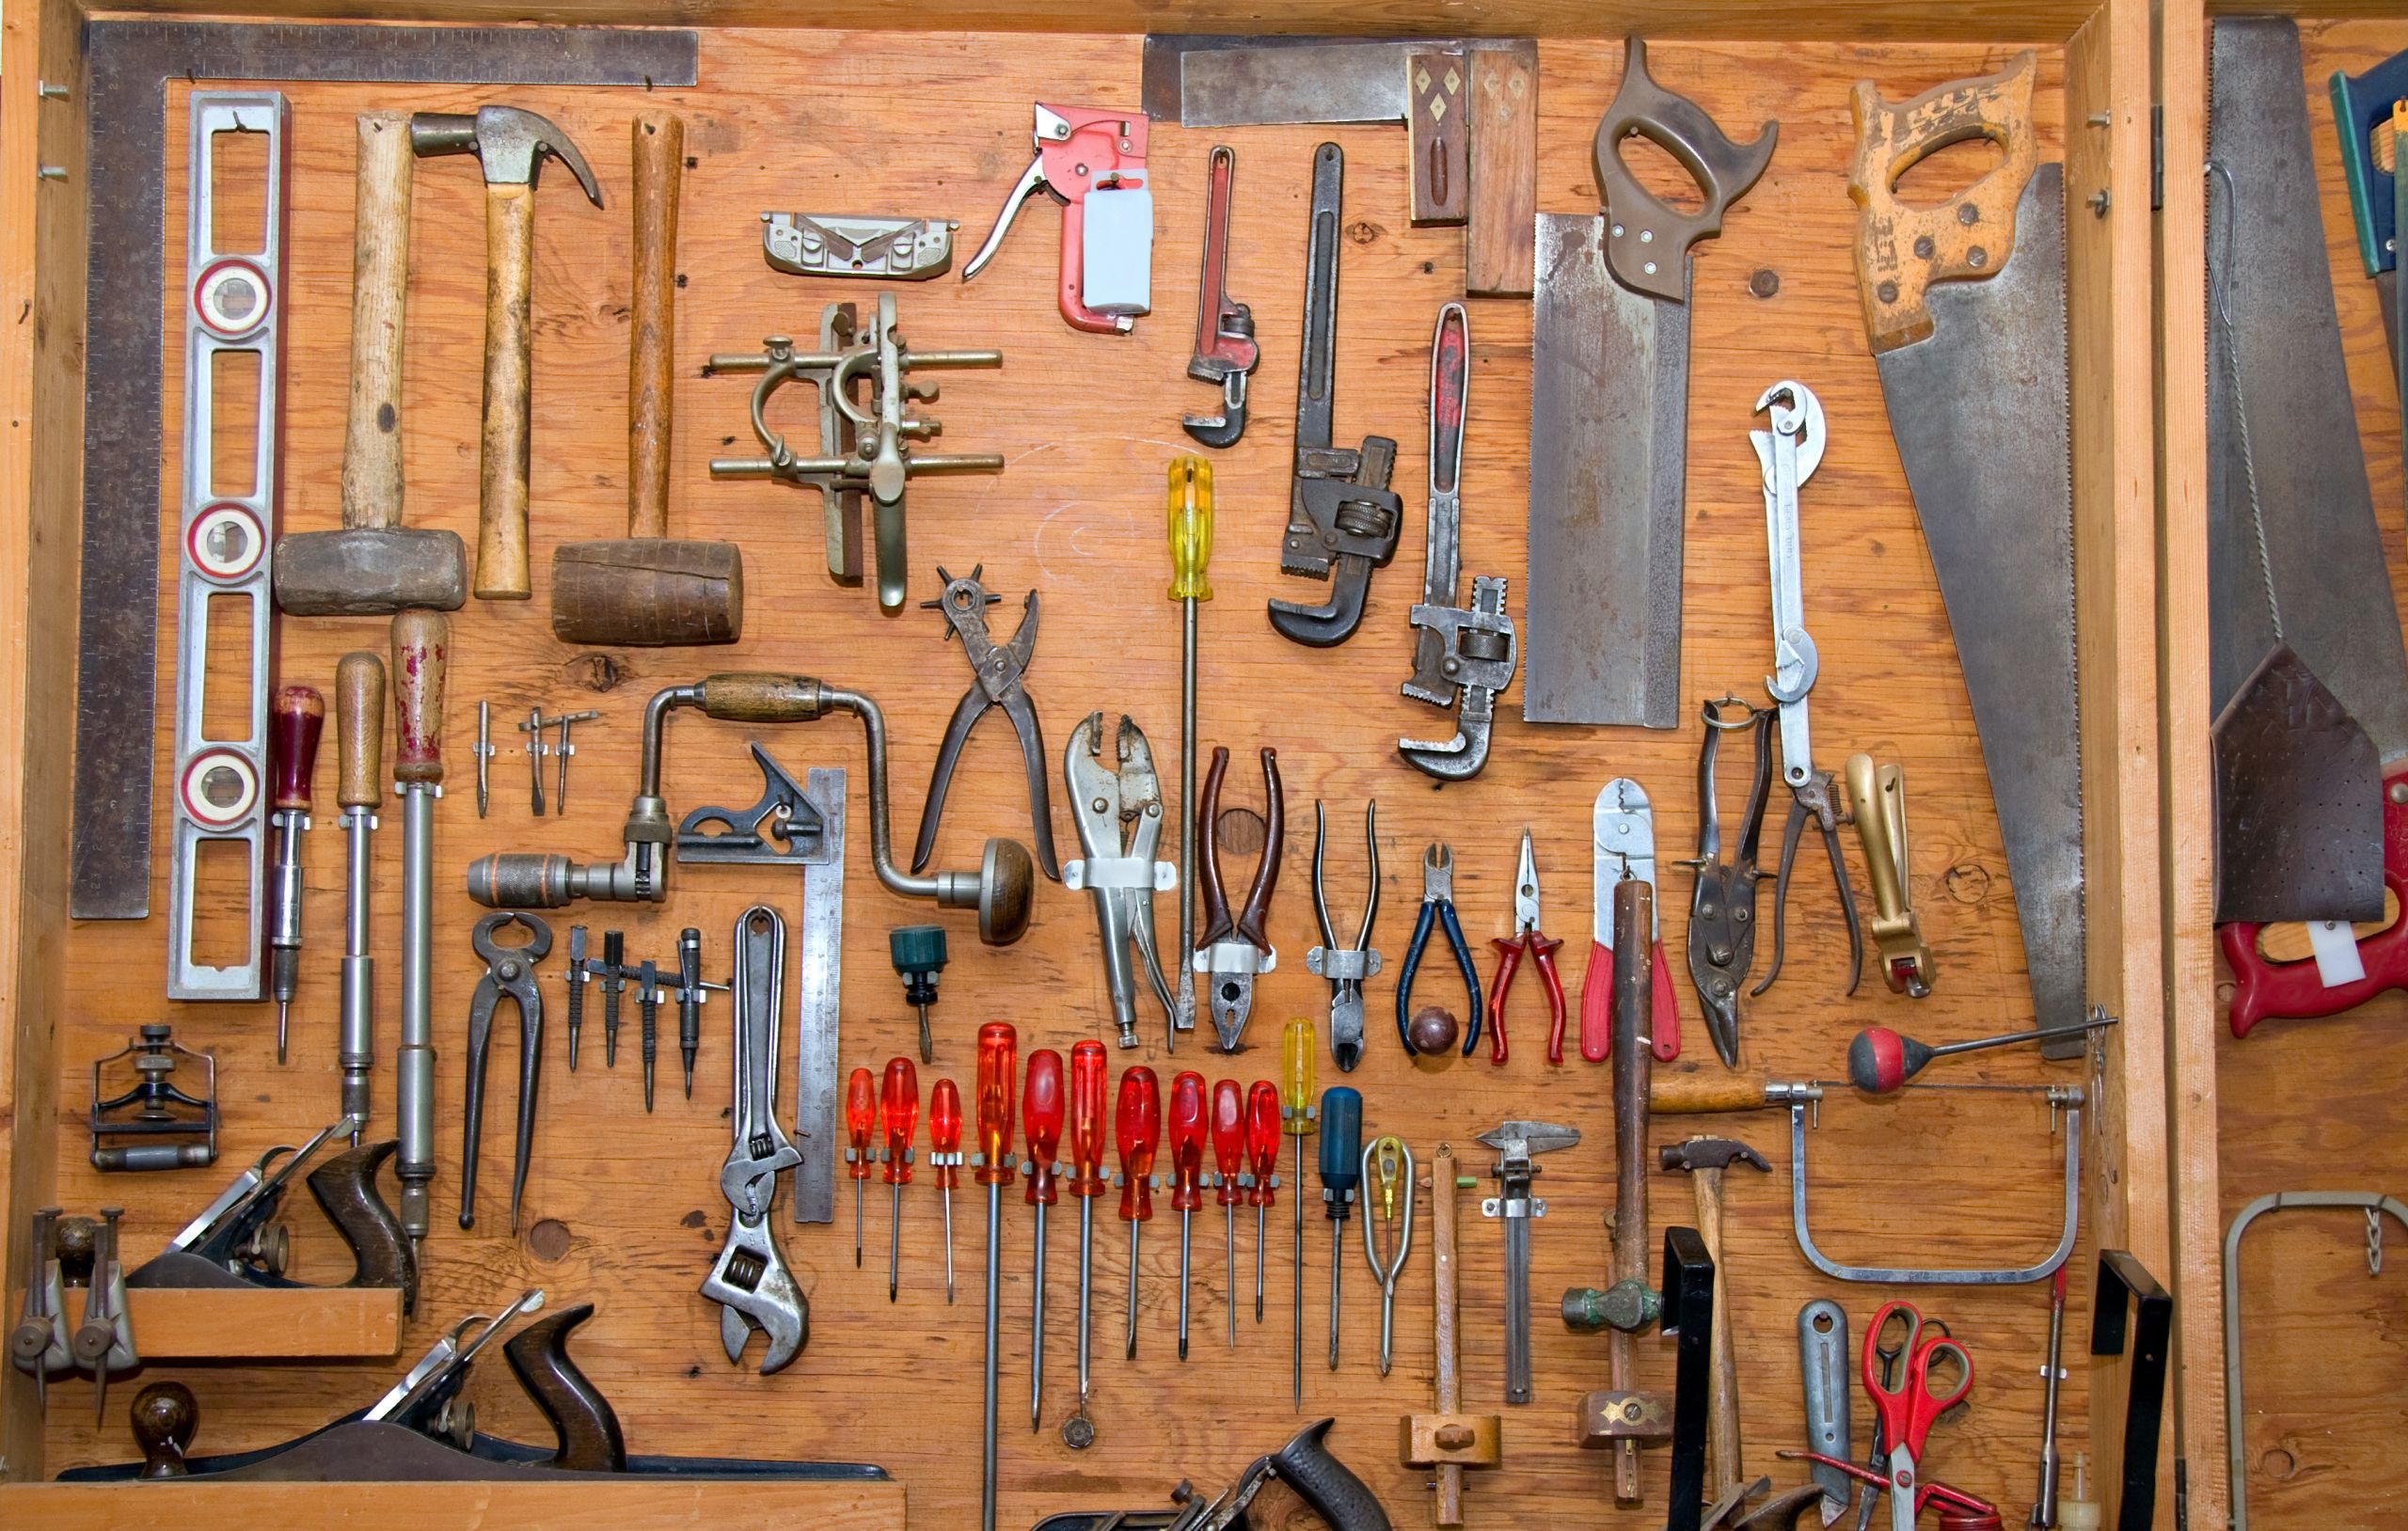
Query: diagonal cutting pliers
(1527, 940)
(1438, 908)
(998, 670)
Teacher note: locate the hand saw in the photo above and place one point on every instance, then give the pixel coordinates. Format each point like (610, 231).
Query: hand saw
(2307, 668)
(1965, 307)
(1609, 417)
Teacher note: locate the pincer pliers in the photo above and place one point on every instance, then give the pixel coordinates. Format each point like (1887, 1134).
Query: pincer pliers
(510, 972)
(1118, 807)
(1437, 907)
(998, 670)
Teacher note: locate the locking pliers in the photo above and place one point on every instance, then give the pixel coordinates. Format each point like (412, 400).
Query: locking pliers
(1119, 813)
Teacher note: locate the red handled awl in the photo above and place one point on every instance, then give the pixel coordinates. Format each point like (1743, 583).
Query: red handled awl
(1092, 162)
(861, 1123)
(1263, 1168)
(1882, 1060)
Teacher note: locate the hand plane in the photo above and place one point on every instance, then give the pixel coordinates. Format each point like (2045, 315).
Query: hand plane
(236, 1241)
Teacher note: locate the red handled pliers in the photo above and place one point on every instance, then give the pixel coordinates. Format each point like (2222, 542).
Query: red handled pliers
(1527, 939)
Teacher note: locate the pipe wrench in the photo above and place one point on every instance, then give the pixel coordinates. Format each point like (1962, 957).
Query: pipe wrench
(749, 1280)
(1226, 352)
(1119, 812)
(1092, 162)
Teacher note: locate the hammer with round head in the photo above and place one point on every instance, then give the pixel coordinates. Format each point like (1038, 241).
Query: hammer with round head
(509, 144)
(1705, 1159)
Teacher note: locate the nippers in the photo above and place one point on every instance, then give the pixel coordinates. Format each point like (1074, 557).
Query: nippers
(1437, 907)
(509, 971)
(1234, 948)
(1119, 807)
(1722, 909)
(998, 670)
(1345, 967)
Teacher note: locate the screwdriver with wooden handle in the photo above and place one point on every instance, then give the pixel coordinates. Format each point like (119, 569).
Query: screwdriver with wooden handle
(296, 719)
(422, 654)
(359, 749)
(1191, 552)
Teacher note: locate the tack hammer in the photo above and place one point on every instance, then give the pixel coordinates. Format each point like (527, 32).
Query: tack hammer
(645, 591)
(509, 144)
(374, 565)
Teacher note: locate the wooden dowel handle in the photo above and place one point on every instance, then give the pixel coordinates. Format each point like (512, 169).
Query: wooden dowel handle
(1693, 1094)
(659, 163)
(502, 483)
(380, 269)
(359, 728)
(422, 652)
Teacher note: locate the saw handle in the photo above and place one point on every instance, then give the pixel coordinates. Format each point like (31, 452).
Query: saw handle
(1647, 239)
(1327, 1486)
(2263, 990)
(1597, 1010)
(1901, 250)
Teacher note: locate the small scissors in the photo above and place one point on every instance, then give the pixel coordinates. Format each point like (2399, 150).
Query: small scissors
(1906, 1407)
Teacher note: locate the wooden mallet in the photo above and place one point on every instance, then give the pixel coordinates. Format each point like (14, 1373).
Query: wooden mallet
(645, 591)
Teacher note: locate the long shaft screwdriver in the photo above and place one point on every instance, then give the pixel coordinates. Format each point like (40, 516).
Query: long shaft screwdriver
(1136, 1127)
(1191, 553)
(944, 1159)
(1187, 1127)
(861, 1121)
(1341, 1172)
(998, 1065)
(1263, 1168)
(1230, 1182)
(1042, 1110)
(1085, 1181)
(1297, 1117)
(898, 1116)
(359, 749)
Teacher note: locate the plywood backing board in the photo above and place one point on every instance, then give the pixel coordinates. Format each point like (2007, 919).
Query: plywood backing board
(2313, 1104)
(624, 1209)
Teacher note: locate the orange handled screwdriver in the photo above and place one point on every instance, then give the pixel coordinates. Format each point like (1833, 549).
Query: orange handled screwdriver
(944, 1159)
(898, 1116)
(998, 1065)
(1136, 1127)
(1186, 1173)
(861, 1120)
(1262, 1167)
(1042, 1109)
(1085, 1181)
(1229, 1177)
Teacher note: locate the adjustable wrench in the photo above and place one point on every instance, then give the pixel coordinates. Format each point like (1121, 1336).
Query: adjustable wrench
(749, 1280)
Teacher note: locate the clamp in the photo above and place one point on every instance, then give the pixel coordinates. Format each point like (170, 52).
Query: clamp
(1437, 907)
(998, 670)
(1345, 967)
(1119, 813)
(1722, 906)
(1092, 162)
(1234, 948)
(510, 972)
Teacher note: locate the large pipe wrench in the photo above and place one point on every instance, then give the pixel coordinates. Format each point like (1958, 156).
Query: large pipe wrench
(1092, 162)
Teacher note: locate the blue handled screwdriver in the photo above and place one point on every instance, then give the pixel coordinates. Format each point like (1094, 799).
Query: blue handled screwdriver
(1341, 1172)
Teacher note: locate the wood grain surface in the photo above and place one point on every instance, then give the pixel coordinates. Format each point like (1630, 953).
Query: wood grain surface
(624, 1207)
(2315, 1105)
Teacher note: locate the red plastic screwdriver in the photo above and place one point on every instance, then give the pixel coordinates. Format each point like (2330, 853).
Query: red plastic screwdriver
(1136, 1128)
(1085, 1181)
(1229, 1177)
(998, 1070)
(861, 1121)
(1187, 1130)
(1262, 1167)
(1042, 1110)
(898, 1116)
(944, 1159)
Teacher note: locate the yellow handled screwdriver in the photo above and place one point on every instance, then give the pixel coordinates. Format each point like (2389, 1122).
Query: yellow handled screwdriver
(1191, 549)
(1298, 1115)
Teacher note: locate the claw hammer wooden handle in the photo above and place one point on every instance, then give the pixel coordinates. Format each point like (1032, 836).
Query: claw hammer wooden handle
(501, 483)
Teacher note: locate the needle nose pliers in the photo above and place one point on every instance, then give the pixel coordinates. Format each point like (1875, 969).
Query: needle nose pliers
(1528, 941)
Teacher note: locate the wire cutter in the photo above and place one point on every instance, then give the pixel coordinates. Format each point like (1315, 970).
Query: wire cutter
(1904, 1404)
(1437, 907)
(998, 670)
(509, 971)
(1530, 941)
(1119, 812)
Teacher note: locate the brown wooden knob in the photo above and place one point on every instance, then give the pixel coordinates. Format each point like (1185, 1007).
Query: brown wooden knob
(165, 1418)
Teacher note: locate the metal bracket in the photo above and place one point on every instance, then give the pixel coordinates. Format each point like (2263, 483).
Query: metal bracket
(2068, 1098)
(887, 250)
(234, 306)
(2375, 1205)
(2125, 1285)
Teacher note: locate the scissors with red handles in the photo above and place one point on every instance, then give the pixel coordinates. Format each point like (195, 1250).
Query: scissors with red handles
(1907, 1407)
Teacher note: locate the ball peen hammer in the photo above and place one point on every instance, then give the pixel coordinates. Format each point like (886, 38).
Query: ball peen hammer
(509, 144)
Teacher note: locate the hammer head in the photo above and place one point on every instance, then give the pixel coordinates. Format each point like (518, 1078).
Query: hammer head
(365, 571)
(1709, 1154)
(509, 141)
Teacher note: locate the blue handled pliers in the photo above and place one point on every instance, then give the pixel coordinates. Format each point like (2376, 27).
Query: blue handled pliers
(1438, 907)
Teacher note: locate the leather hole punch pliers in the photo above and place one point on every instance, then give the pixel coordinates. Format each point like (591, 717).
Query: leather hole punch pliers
(510, 970)
(1527, 940)
(1118, 807)
(998, 670)
(1723, 908)
(1345, 967)
(1234, 948)
(1437, 907)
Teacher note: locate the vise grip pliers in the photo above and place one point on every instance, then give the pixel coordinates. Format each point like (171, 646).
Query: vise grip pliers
(749, 1280)
(1119, 813)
